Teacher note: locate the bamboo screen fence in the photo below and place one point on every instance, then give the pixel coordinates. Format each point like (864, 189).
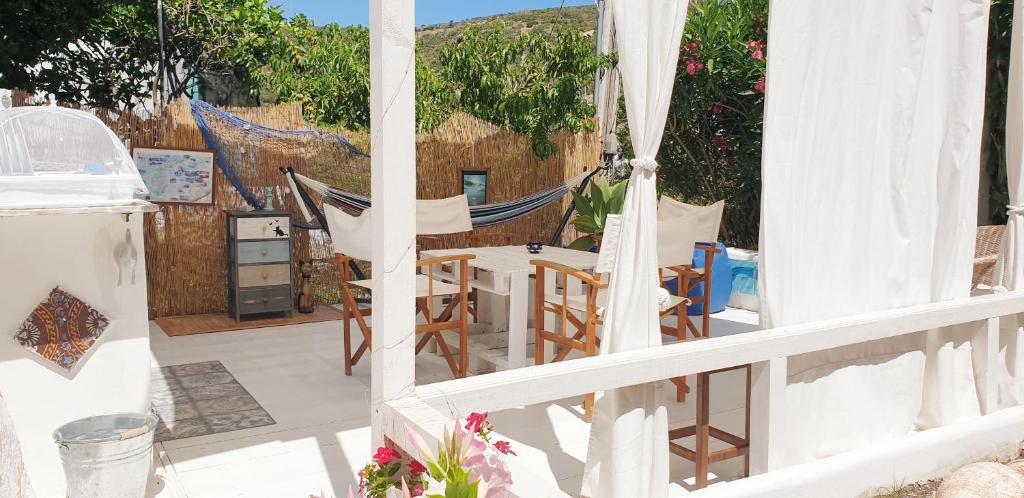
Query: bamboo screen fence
(186, 243)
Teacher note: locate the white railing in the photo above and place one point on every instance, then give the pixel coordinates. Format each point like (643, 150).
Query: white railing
(767, 350)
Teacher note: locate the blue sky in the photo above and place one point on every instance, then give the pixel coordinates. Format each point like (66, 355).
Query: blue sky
(347, 12)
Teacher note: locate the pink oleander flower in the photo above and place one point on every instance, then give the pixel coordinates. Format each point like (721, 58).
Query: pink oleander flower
(385, 455)
(760, 85)
(757, 55)
(416, 468)
(700, 66)
(503, 446)
(693, 46)
(691, 67)
(719, 142)
(716, 109)
(755, 45)
(476, 422)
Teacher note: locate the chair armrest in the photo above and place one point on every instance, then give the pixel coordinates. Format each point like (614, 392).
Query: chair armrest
(454, 258)
(568, 271)
(710, 247)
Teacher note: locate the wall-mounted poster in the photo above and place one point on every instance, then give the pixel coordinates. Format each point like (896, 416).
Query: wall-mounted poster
(474, 185)
(183, 176)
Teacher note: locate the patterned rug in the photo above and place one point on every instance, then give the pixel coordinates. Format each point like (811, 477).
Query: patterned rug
(197, 399)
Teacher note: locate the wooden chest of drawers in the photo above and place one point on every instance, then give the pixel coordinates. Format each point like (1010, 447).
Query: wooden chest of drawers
(260, 277)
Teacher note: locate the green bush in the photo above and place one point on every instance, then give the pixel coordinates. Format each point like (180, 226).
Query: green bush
(711, 149)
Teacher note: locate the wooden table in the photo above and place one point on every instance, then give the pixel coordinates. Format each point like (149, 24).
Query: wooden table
(506, 272)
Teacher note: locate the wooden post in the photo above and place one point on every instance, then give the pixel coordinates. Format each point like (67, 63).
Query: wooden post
(985, 347)
(767, 409)
(393, 195)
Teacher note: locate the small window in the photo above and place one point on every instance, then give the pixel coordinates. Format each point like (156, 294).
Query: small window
(474, 185)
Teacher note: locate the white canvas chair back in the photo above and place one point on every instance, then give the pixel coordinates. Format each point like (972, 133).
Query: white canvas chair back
(709, 218)
(676, 237)
(350, 235)
(441, 216)
(609, 244)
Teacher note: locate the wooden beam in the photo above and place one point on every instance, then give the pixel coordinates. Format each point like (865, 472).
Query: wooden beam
(985, 349)
(544, 383)
(767, 409)
(393, 193)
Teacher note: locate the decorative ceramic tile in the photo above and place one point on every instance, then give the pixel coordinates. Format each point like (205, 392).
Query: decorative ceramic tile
(61, 329)
(202, 398)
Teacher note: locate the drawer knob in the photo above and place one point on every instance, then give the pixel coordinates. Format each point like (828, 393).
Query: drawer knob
(266, 300)
(265, 276)
(264, 251)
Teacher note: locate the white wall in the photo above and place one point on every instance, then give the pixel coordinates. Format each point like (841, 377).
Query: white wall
(76, 252)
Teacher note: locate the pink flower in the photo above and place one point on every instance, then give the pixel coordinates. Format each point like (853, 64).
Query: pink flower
(476, 421)
(693, 46)
(417, 491)
(503, 446)
(719, 141)
(416, 468)
(760, 85)
(385, 455)
(755, 45)
(700, 66)
(757, 55)
(716, 109)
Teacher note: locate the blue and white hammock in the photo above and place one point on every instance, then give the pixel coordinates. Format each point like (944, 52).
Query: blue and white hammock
(484, 215)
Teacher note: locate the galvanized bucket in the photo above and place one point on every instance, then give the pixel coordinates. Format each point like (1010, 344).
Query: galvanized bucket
(108, 456)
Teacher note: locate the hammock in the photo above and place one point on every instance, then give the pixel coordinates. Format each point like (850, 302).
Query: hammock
(482, 216)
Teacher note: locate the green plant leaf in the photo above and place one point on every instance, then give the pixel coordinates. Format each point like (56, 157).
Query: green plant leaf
(584, 243)
(582, 203)
(617, 197)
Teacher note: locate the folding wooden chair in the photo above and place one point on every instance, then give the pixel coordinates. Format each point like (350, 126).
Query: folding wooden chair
(350, 236)
(578, 315)
(427, 289)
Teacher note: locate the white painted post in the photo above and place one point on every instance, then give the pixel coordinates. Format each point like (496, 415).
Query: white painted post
(767, 405)
(985, 346)
(393, 195)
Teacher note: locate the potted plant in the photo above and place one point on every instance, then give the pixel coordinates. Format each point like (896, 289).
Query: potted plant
(593, 209)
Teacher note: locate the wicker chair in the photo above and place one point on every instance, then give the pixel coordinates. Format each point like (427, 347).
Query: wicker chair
(986, 251)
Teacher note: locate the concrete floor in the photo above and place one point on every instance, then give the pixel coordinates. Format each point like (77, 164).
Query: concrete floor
(322, 435)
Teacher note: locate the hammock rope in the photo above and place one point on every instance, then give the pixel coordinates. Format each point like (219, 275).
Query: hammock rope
(484, 215)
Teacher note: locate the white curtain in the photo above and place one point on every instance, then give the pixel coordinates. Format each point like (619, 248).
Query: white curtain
(1009, 272)
(628, 453)
(869, 191)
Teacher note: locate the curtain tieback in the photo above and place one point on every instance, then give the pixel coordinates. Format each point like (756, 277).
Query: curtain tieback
(644, 164)
(1012, 210)
(664, 299)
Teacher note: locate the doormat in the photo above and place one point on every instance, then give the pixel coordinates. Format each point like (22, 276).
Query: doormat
(197, 399)
(175, 326)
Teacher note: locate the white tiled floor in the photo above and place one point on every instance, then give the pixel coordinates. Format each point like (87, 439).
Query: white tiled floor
(322, 435)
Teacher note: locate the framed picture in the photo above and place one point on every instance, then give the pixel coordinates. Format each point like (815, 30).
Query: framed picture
(176, 176)
(474, 185)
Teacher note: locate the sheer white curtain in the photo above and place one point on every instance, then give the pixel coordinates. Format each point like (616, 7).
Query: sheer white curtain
(869, 192)
(1009, 272)
(628, 453)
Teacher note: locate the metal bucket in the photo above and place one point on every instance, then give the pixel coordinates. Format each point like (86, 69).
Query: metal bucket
(108, 456)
